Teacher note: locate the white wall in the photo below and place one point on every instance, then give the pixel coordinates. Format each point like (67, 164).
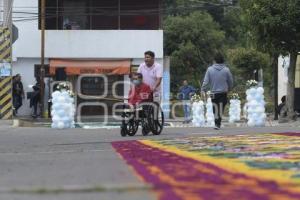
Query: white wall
(89, 44)
(297, 78)
(283, 63)
(82, 43)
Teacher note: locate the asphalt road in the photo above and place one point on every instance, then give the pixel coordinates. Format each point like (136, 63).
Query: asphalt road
(47, 164)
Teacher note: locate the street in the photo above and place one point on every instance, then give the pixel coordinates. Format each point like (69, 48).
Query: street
(43, 163)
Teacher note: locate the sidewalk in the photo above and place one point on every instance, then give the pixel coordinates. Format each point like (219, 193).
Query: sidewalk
(7, 123)
(225, 123)
(92, 122)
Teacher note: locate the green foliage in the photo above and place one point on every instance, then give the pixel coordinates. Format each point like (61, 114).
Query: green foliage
(248, 60)
(185, 7)
(275, 25)
(191, 41)
(244, 61)
(233, 24)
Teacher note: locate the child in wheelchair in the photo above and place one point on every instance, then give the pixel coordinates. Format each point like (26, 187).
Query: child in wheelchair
(141, 109)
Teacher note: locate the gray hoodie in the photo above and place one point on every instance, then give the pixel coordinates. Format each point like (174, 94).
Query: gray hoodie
(218, 79)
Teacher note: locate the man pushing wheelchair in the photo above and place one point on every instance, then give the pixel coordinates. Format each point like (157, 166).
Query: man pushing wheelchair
(141, 110)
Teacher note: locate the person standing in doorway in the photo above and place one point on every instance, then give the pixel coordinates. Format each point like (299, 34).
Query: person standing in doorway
(218, 79)
(18, 93)
(152, 74)
(185, 92)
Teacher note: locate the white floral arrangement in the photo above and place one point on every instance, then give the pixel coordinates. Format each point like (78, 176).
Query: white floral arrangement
(71, 93)
(196, 98)
(235, 96)
(63, 86)
(63, 108)
(251, 83)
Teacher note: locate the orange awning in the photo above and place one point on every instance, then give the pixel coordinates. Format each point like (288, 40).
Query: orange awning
(76, 67)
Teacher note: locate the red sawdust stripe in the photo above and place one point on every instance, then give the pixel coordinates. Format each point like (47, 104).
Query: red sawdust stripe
(178, 177)
(291, 134)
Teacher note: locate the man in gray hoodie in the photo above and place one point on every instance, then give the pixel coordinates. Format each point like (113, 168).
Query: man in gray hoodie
(218, 80)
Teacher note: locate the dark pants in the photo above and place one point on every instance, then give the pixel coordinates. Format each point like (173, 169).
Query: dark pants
(17, 101)
(35, 107)
(219, 102)
(34, 101)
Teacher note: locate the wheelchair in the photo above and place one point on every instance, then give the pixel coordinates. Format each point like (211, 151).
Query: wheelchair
(148, 115)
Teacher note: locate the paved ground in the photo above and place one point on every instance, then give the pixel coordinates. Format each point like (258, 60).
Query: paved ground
(46, 164)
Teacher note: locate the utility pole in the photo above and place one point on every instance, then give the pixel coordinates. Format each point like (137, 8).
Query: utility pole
(6, 102)
(42, 70)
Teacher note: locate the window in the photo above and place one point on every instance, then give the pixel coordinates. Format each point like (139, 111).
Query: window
(139, 14)
(95, 86)
(75, 15)
(51, 15)
(92, 86)
(102, 14)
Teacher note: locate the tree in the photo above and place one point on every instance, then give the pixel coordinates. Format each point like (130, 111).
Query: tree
(191, 41)
(226, 13)
(247, 60)
(244, 62)
(275, 25)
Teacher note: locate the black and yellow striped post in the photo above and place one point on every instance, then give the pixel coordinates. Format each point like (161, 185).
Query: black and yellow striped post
(6, 105)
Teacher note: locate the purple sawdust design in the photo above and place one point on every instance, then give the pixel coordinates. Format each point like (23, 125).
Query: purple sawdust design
(177, 177)
(292, 134)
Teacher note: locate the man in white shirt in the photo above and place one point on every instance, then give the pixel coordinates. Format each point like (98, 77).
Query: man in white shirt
(152, 73)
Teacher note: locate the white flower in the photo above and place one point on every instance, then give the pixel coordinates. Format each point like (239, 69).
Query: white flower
(251, 83)
(234, 96)
(63, 86)
(196, 98)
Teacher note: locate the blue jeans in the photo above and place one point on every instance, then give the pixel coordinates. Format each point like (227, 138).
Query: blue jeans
(187, 110)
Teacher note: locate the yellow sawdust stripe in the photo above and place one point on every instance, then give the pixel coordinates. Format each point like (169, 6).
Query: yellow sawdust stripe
(279, 176)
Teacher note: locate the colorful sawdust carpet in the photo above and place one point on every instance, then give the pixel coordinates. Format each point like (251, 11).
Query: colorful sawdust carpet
(252, 167)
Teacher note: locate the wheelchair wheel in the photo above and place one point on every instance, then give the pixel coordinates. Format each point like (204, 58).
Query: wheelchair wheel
(132, 127)
(123, 132)
(145, 131)
(129, 124)
(156, 119)
(145, 126)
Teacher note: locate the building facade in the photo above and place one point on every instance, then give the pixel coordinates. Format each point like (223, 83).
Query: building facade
(107, 37)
